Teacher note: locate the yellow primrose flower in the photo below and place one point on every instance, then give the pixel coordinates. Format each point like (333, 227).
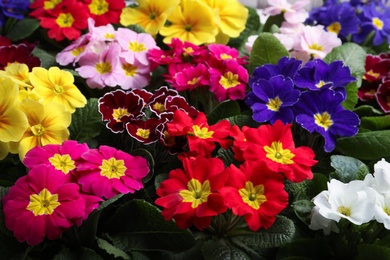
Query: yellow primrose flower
(47, 124)
(149, 14)
(56, 85)
(192, 21)
(18, 72)
(13, 122)
(230, 17)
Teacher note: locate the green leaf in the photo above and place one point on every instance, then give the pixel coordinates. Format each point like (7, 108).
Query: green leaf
(317, 184)
(112, 250)
(366, 146)
(22, 29)
(369, 251)
(366, 110)
(48, 58)
(275, 20)
(159, 179)
(351, 54)
(220, 250)
(3, 228)
(242, 120)
(138, 225)
(347, 168)
(223, 110)
(267, 49)
(226, 155)
(280, 233)
(86, 122)
(315, 248)
(106, 203)
(83, 253)
(375, 122)
(352, 96)
(136, 28)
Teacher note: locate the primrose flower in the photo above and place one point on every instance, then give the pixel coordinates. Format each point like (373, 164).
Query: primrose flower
(255, 192)
(322, 112)
(231, 17)
(292, 13)
(353, 201)
(273, 99)
(190, 196)
(149, 14)
(56, 85)
(13, 121)
(105, 11)
(317, 221)
(42, 204)
(106, 172)
(197, 28)
(20, 53)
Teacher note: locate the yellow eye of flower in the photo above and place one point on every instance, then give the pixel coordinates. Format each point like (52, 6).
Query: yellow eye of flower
(159, 107)
(378, 23)
(344, 210)
(202, 133)
(277, 154)
(334, 27)
(196, 193)
(229, 80)
(324, 120)
(274, 104)
(76, 51)
(62, 163)
(65, 20)
(43, 203)
(144, 133)
(129, 69)
(113, 168)
(103, 67)
(118, 113)
(98, 7)
(253, 195)
(316, 47)
(137, 47)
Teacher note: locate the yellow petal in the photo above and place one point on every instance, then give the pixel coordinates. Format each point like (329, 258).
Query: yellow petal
(4, 150)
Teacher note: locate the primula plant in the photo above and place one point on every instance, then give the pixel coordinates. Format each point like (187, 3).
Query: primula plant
(200, 129)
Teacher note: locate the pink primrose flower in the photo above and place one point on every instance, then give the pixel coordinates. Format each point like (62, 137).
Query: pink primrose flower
(136, 75)
(192, 77)
(293, 13)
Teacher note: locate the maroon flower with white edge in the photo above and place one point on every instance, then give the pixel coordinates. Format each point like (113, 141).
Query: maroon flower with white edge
(173, 103)
(157, 103)
(119, 107)
(106, 172)
(383, 96)
(143, 131)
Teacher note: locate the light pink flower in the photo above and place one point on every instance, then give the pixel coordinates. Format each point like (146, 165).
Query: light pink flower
(135, 45)
(102, 69)
(136, 75)
(106, 172)
(286, 40)
(74, 51)
(293, 13)
(101, 33)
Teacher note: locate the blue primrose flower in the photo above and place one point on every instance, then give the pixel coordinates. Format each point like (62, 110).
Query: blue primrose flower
(286, 66)
(15, 8)
(321, 112)
(372, 19)
(272, 99)
(317, 75)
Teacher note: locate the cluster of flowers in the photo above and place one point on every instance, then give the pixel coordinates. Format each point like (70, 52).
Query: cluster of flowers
(311, 95)
(13, 9)
(359, 201)
(36, 104)
(144, 114)
(216, 67)
(107, 56)
(356, 19)
(66, 19)
(254, 190)
(214, 20)
(376, 81)
(64, 184)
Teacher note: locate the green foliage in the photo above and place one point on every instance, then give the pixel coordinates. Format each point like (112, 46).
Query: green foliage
(315, 248)
(374, 123)
(267, 49)
(48, 58)
(347, 168)
(369, 251)
(223, 110)
(222, 250)
(136, 28)
(22, 29)
(112, 250)
(82, 253)
(366, 146)
(272, 21)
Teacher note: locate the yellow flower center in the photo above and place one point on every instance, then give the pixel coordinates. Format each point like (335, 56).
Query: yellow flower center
(277, 154)
(334, 27)
(65, 20)
(129, 69)
(62, 163)
(137, 47)
(344, 210)
(76, 51)
(386, 210)
(188, 27)
(152, 15)
(193, 81)
(103, 67)
(321, 84)
(225, 56)
(323, 120)
(43, 203)
(118, 113)
(159, 107)
(188, 50)
(229, 80)
(109, 36)
(316, 47)
(58, 89)
(144, 133)
(371, 73)
(51, 4)
(98, 7)
(274, 104)
(202, 133)
(378, 23)
(113, 168)
(196, 193)
(253, 195)
(37, 129)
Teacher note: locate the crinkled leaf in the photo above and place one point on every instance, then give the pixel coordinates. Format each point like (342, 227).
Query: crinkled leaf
(227, 156)
(267, 49)
(375, 122)
(110, 249)
(317, 184)
(369, 251)
(220, 250)
(22, 29)
(352, 96)
(48, 58)
(315, 248)
(71, 254)
(302, 209)
(366, 146)
(223, 110)
(242, 120)
(86, 122)
(347, 168)
(279, 234)
(106, 203)
(138, 225)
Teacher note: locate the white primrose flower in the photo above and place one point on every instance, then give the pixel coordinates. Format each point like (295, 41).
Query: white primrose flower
(353, 201)
(382, 209)
(382, 176)
(320, 222)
